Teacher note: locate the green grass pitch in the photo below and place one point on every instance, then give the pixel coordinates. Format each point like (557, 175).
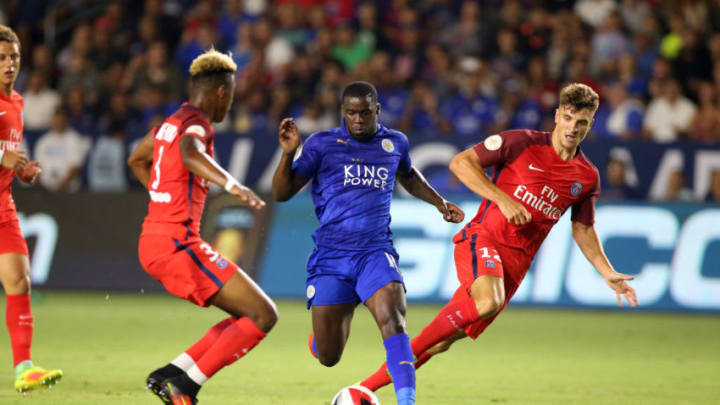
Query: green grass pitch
(107, 344)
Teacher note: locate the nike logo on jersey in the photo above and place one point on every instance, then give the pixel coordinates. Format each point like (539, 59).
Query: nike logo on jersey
(3, 113)
(409, 363)
(343, 141)
(537, 169)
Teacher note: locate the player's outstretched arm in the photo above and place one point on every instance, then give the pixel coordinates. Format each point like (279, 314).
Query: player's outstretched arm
(587, 239)
(201, 164)
(415, 183)
(286, 183)
(140, 160)
(468, 169)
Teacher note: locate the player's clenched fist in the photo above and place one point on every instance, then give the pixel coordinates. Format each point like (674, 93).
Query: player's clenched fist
(451, 212)
(14, 160)
(289, 136)
(247, 196)
(515, 212)
(30, 172)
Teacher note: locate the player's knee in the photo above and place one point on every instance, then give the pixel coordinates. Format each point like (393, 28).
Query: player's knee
(266, 318)
(489, 306)
(16, 283)
(328, 359)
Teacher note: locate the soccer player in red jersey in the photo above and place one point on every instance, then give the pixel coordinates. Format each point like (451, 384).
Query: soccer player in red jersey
(175, 163)
(14, 261)
(536, 177)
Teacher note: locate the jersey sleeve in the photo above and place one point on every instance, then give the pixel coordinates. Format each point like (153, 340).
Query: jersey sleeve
(583, 211)
(405, 163)
(501, 148)
(197, 128)
(307, 158)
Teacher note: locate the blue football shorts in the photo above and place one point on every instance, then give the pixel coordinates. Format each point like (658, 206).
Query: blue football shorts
(342, 276)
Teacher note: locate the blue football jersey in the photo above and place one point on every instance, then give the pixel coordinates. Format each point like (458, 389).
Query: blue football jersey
(352, 185)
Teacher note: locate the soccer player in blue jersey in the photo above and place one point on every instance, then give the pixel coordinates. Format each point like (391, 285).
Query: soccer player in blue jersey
(353, 168)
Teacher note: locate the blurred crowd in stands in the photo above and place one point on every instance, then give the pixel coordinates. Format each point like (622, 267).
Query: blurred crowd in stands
(96, 75)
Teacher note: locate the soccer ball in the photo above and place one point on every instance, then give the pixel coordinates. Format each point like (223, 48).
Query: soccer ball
(355, 395)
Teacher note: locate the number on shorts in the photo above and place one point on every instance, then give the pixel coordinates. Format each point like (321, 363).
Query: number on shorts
(210, 252)
(486, 254)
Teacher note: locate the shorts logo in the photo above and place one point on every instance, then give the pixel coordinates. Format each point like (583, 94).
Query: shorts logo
(310, 291)
(387, 145)
(221, 263)
(576, 189)
(490, 264)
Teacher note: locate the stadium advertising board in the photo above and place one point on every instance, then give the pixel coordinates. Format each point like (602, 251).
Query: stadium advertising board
(90, 240)
(672, 250)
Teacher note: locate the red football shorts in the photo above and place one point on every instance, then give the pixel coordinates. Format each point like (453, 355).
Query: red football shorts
(11, 238)
(477, 256)
(189, 269)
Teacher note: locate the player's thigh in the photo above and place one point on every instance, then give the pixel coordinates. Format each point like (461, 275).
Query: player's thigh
(241, 296)
(15, 273)
(331, 326)
(481, 273)
(388, 305)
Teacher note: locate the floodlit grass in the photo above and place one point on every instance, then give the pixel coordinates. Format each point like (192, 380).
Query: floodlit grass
(107, 344)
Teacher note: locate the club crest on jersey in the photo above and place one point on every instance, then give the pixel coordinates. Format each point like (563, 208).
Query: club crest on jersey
(493, 142)
(310, 291)
(576, 189)
(221, 263)
(490, 264)
(387, 145)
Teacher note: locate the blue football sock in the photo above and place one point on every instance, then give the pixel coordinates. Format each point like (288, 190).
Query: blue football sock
(401, 365)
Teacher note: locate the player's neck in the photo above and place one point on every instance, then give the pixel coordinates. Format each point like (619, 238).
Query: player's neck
(6, 89)
(564, 153)
(198, 103)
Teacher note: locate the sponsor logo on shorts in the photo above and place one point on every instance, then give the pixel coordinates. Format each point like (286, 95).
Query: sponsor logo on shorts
(221, 263)
(310, 291)
(160, 197)
(576, 189)
(490, 264)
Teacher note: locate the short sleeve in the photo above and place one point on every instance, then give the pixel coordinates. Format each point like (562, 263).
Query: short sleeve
(501, 148)
(405, 163)
(583, 211)
(307, 158)
(197, 128)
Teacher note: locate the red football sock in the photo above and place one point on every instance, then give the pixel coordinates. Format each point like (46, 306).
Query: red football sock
(19, 321)
(381, 377)
(197, 350)
(234, 342)
(454, 317)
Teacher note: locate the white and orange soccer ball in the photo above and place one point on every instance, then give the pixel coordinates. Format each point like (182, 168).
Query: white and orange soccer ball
(355, 395)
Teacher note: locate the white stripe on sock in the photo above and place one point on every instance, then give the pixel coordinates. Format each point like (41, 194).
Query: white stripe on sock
(183, 361)
(196, 375)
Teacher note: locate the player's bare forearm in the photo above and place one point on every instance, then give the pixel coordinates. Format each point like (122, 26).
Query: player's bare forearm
(286, 182)
(589, 243)
(415, 183)
(198, 162)
(140, 160)
(466, 166)
(587, 239)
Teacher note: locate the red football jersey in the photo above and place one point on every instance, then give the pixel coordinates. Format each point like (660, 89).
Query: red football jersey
(11, 129)
(177, 196)
(527, 168)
